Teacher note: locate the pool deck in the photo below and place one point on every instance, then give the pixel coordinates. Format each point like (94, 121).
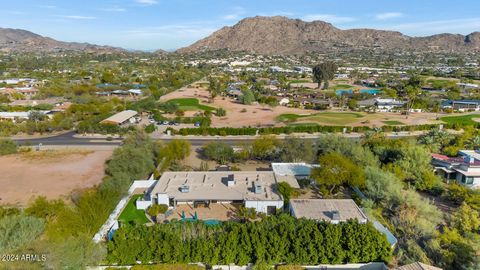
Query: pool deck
(216, 211)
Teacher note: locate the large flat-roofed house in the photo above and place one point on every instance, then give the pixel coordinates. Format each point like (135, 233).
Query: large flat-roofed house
(330, 210)
(251, 189)
(121, 118)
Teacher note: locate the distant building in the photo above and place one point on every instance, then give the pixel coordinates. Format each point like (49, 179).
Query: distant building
(284, 102)
(388, 104)
(121, 118)
(330, 210)
(462, 105)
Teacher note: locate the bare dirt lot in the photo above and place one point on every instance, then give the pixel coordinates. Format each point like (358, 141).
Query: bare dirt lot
(53, 174)
(239, 115)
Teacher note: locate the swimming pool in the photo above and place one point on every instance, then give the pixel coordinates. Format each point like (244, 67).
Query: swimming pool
(343, 92)
(212, 222)
(370, 91)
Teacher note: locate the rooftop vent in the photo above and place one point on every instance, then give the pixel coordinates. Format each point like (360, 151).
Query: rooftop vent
(230, 181)
(184, 189)
(258, 188)
(335, 215)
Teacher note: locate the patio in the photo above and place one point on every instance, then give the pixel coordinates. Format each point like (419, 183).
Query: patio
(215, 211)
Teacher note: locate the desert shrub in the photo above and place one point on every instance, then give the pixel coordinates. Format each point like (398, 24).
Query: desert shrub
(7, 147)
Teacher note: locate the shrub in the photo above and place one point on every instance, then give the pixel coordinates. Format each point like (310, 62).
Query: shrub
(156, 209)
(7, 147)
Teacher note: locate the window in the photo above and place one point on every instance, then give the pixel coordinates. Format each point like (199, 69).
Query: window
(469, 181)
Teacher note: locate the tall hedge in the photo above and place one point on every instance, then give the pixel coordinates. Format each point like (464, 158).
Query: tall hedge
(275, 239)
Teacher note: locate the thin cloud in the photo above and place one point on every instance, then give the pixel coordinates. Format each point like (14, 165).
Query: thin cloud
(235, 15)
(331, 18)
(231, 17)
(78, 17)
(147, 2)
(114, 9)
(388, 15)
(464, 26)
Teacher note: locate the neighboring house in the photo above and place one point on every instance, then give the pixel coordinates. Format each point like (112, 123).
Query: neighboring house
(27, 92)
(291, 172)
(121, 118)
(253, 189)
(330, 210)
(417, 266)
(234, 93)
(284, 102)
(388, 104)
(461, 105)
(465, 169)
(13, 116)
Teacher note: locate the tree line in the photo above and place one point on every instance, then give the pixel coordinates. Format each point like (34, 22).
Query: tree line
(274, 239)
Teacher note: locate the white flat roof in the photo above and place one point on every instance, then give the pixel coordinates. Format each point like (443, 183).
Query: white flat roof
(120, 117)
(213, 186)
(323, 209)
(299, 168)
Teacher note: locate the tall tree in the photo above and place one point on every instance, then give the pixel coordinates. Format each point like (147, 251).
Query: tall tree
(336, 170)
(324, 72)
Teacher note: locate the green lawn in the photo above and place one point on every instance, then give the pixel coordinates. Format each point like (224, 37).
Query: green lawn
(299, 81)
(331, 118)
(342, 87)
(190, 104)
(461, 119)
(130, 213)
(393, 123)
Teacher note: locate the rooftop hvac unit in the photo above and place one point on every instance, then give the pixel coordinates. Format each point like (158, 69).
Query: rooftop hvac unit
(257, 188)
(184, 189)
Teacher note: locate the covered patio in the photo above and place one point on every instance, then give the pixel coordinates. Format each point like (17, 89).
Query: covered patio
(214, 211)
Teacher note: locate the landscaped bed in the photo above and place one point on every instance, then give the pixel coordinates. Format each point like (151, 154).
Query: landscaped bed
(330, 118)
(393, 123)
(467, 119)
(190, 104)
(132, 214)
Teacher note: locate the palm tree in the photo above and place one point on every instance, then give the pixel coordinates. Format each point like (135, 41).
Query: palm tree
(473, 143)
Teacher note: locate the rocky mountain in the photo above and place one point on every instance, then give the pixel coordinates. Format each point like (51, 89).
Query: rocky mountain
(18, 40)
(281, 35)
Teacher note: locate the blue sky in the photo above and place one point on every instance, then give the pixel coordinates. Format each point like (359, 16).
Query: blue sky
(169, 24)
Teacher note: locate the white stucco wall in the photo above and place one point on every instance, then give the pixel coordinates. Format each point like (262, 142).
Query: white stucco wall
(162, 198)
(142, 205)
(261, 206)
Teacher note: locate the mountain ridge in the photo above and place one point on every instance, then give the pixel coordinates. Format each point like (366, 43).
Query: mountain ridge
(282, 35)
(20, 40)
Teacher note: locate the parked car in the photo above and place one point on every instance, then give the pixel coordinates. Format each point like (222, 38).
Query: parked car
(197, 124)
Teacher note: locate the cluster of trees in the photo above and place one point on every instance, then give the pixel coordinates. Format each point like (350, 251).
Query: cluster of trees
(275, 239)
(393, 171)
(324, 72)
(265, 147)
(224, 131)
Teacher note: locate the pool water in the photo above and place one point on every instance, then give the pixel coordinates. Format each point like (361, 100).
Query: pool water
(343, 92)
(211, 222)
(370, 91)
